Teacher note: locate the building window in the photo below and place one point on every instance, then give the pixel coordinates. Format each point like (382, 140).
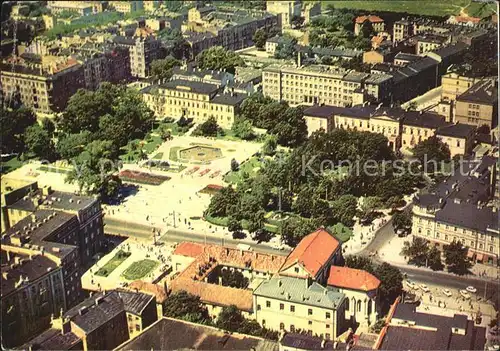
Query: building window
(296, 269)
(328, 315)
(282, 326)
(282, 306)
(258, 308)
(310, 322)
(327, 336)
(292, 328)
(310, 312)
(268, 304)
(292, 308)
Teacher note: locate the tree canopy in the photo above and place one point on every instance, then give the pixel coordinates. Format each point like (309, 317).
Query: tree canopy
(259, 38)
(14, 124)
(456, 258)
(185, 306)
(218, 58)
(162, 69)
(431, 153)
(209, 128)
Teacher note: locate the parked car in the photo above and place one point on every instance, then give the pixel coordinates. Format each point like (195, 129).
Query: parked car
(424, 288)
(446, 292)
(471, 289)
(465, 294)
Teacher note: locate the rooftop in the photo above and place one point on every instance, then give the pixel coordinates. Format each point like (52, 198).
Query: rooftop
(424, 119)
(350, 278)
(370, 18)
(313, 252)
(189, 249)
(324, 111)
(54, 339)
(96, 311)
(299, 290)
(135, 302)
(190, 86)
(24, 269)
(306, 342)
(231, 99)
(172, 334)
(407, 57)
(456, 130)
(484, 91)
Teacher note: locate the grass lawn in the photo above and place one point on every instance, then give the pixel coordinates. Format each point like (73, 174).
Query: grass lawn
(175, 129)
(113, 263)
(139, 269)
(246, 167)
(173, 154)
(418, 7)
(148, 146)
(341, 232)
(10, 164)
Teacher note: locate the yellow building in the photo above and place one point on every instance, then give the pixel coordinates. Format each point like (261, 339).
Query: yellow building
(319, 117)
(458, 137)
(478, 106)
(286, 10)
(419, 126)
(455, 211)
(127, 6)
(454, 84)
(191, 99)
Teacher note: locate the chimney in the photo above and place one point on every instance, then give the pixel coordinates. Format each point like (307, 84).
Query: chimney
(83, 310)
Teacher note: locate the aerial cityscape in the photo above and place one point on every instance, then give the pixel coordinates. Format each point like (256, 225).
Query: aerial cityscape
(250, 175)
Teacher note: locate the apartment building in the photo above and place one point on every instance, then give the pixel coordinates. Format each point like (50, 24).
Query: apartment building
(32, 291)
(81, 8)
(44, 88)
(376, 22)
(458, 137)
(127, 6)
(285, 10)
(457, 210)
(23, 203)
(478, 105)
(192, 99)
(455, 84)
(142, 50)
(401, 30)
(429, 42)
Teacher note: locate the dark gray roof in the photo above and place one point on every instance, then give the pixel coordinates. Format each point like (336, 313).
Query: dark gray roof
(402, 338)
(354, 76)
(467, 215)
(407, 57)
(96, 311)
(485, 91)
(431, 38)
(171, 334)
(121, 40)
(135, 302)
(323, 111)
(450, 50)
(422, 65)
(54, 339)
(424, 119)
(229, 99)
(456, 130)
(197, 87)
(306, 342)
(459, 321)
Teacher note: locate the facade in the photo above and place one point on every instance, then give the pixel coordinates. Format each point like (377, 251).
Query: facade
(376, 22)
(429, 42)
(457, 211)
(192, 99)
(285, 10)
(79, 7)
(458, 137)
(401, 30)
(45, 89)
(127, 6)
(478, 105)
(319, 117)
(455, 84)
(142, 53)
(32, 291)
(418, 126)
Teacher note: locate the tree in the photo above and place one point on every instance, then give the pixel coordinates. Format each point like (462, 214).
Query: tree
(294, 229)
(402, 221)
(290, 127)
(230, 319)
(416, 251)
(38, 142)
(94, 168)
(456, 258)
(49, 126)
(297, 21)
(431, 153)
(434, 259)
(235, 166)
(234, 226)
(360, 262)
(14, 123)
(259, 38)
(218, 58)
(162, 69)
(165, 133)
(185, 306)
(234, 279)
(344, 209)
(369, 205)
(367, 30)
(209, 128)
(71, 145)
(391, 282)
(286, 49)
(221, 202)
(242, 128)
(255, 221)
(270, 145)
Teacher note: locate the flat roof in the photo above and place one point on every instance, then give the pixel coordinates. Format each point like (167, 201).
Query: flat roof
(190, 86)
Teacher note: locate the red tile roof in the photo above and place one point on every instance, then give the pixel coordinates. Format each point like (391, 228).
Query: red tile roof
(371, 18)
(189, 249)
(149, 288)
(313, 251)
(350, 278)
(466, 19)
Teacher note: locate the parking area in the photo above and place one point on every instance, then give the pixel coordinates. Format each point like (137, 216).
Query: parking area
(439, 300)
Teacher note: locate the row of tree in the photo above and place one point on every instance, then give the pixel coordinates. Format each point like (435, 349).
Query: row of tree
(420, 253)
